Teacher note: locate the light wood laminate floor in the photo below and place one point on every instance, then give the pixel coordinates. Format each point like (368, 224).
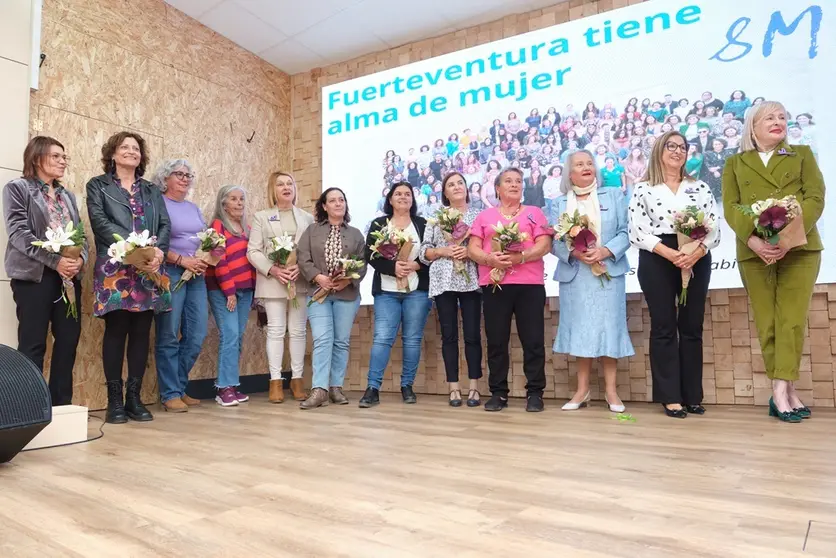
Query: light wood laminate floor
(431, 481)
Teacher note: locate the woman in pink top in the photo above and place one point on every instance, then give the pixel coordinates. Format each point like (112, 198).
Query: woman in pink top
(522, 293)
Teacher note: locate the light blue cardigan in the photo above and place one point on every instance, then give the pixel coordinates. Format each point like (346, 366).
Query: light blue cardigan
(613, 235)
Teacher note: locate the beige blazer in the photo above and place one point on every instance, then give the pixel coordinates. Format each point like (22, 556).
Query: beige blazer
(265, 226)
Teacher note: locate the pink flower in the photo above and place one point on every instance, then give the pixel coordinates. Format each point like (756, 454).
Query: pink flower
(460, 230)
(699, 232)
(388, 250)
(774, 218)
(514, 247)
(584, 240)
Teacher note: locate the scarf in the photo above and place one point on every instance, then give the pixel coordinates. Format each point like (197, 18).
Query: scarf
(593, 208)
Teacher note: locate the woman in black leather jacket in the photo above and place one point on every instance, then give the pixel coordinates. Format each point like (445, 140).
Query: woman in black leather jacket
(120, 202)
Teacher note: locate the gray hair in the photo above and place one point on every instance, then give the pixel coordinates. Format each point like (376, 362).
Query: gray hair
(221, 214)
(165, 170)
(755, 115)
(566, 177)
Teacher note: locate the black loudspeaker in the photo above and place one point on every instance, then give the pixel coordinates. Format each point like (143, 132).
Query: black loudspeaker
(25, 404)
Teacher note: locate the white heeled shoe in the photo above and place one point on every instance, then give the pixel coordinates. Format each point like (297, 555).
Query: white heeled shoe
(615, 408)
(569, 406)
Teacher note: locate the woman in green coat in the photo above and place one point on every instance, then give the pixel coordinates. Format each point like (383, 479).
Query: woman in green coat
(779, 283)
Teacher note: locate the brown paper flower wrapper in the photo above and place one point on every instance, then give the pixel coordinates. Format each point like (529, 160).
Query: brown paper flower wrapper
(73, 253)
(291, 285)
(793, 234)
(207, 257)
(687, 246)
(458, 265)
(143, 256)
(403, 256)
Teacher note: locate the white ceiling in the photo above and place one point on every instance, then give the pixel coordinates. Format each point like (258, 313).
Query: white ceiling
(297, 36)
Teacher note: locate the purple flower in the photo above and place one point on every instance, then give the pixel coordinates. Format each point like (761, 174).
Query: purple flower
(584, 241)
(388, 250)
(460, 230)
(774, 218)
(514, 247)
(699, 232)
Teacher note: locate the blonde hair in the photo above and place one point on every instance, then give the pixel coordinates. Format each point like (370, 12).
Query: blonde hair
(754, 116)
(655, 173)
(271, 187)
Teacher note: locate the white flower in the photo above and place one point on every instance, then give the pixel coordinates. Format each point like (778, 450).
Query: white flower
(117, 251)
(140, 239)
(283, 242)
(56, 239)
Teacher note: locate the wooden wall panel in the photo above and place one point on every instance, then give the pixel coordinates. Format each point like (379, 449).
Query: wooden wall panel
(733, 369)
(144, 66)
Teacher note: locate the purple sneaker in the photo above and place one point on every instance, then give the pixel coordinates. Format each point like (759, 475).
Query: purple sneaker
(241, 397)
(226, 397)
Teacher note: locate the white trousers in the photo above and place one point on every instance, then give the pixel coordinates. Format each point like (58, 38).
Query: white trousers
(282, 317)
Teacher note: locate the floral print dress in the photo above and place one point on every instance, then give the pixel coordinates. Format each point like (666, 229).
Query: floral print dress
(122, 287)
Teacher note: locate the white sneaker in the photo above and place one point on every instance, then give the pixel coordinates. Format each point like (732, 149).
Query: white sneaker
(575, 406)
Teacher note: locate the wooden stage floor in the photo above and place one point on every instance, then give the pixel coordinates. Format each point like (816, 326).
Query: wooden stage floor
(428, 480)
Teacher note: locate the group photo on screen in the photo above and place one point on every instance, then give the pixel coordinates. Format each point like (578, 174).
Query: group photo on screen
(539, 140)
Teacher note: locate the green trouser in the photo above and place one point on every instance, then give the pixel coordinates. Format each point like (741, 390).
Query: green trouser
(780, 295)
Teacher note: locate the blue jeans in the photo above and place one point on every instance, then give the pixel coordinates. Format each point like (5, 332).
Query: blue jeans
(331, 324)
(180, 334)
(231, 327)
(390, 311)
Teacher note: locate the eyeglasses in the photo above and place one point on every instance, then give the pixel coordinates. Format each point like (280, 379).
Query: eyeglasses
(180, 175)
(56, 157)
(672, 147)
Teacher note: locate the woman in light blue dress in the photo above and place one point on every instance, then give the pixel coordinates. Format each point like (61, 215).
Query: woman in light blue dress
(593, 308)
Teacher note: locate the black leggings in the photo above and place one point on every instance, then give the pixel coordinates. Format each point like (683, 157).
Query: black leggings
(135, 327)
(447, 304)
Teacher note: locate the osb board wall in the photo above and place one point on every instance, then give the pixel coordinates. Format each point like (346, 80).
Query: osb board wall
(733, 370)
(142, 65)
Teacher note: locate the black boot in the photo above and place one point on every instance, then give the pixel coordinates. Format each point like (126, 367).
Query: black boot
(133, 404)
(115, 403)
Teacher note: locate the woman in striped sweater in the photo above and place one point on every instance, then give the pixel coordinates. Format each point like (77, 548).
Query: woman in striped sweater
(231, 284)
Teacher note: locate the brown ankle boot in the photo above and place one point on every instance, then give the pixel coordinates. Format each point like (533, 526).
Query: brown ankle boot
(337, 396)
(297, 387)
(276, 394)
(190, 401)
(318, 398)
(175, 405)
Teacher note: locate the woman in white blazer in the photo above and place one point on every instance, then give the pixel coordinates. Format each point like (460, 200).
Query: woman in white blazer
(271, 282)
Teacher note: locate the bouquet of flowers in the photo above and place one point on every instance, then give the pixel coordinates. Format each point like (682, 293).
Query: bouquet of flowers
(283, 254)
(778, 221)
(138, 249)
(211, 250)
(507, 239)
(393, 244)
(68, 242)
(455, 232)
(347, 268)
(573, 229)
(691, 226)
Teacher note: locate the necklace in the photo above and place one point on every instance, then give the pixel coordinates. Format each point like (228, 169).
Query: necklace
(514, 214)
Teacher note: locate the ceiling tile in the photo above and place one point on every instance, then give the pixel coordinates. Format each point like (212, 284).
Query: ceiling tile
(292, 57)
(341, 37)
(242, 27)
(290, 16)
(194, 8)
(457, 12)
(387, 21)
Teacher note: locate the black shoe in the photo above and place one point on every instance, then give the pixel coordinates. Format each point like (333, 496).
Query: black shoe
(370, 398)
(695, 409)
(408, 395)
(115, 403)
(534, 403)
(496, 403)
(457, 402)
(675, 413)
(474, 398)
(133, 404)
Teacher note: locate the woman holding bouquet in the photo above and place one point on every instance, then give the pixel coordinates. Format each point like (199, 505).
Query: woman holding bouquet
(779, 281)
(400, 288)
(231, 283)
(454, 284)
(180, 333)
(272, 285)
(593, 306)
(322, 247)
(513, 286)
(675, 331)
(119, 202)
(33, 204)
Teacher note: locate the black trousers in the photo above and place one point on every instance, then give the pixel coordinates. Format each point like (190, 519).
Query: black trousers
(135, 327)
(675, 331)
(525, 303)
(448, 304)
(39, 309)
